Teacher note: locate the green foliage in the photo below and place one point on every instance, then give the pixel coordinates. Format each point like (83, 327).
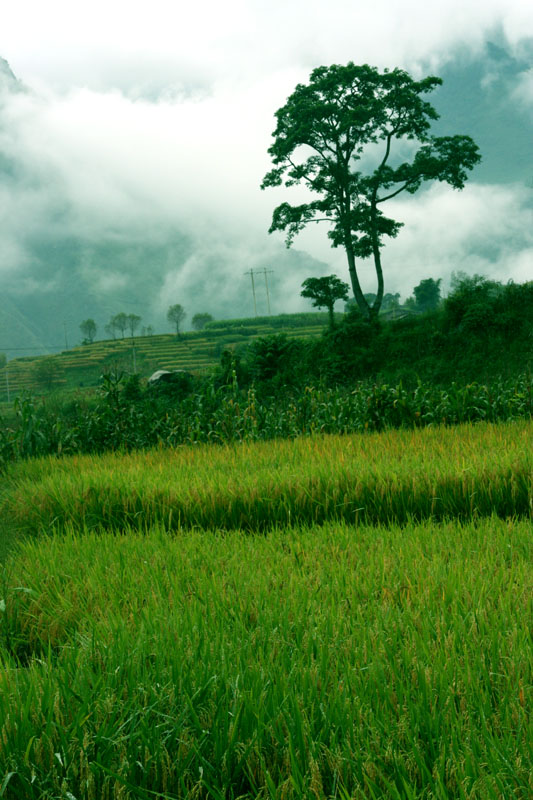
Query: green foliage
(312, 662)
(341, 115)
(271, 357)
(48, 372)
(126, 416)
(175, 315)
(133, 322)
(488, 321)
(472, 302)
(285, 321)
(119, 323)
(175, 386)
(324, 292)
(422, 370)
(88, 329)
(199, 321)
(427, 294)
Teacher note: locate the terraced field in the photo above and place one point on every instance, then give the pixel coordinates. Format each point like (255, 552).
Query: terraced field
(195, 352)
(341, 617)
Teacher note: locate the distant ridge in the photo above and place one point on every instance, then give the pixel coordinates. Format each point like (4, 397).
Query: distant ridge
(8, 80)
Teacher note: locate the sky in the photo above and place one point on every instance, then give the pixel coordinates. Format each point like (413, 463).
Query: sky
(144, 129)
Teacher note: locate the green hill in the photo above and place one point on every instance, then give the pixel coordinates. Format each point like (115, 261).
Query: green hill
(196, 352)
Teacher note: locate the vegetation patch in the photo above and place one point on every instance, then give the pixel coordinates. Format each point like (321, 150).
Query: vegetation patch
(332, 661)
(462, 472)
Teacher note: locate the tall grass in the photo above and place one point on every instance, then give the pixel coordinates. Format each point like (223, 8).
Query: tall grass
(323, 662)
(462, 472)
(129, 418)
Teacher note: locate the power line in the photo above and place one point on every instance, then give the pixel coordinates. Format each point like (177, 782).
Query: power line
(42, 347)
(264, 272)
(251, 274)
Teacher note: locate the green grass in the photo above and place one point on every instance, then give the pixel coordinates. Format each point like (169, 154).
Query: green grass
(222, 622)
(194, 351)
(332, 661)
(462, 472)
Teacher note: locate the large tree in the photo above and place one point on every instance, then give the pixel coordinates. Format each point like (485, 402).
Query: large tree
(336, 134)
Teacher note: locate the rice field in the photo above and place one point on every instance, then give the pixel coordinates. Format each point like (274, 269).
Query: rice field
(330, 617)
(195, 351)
(395, 476)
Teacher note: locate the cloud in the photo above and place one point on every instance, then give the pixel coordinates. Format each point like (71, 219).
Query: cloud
(118, 162)
(133, 165)
(141, 48)
(101, 167)
(523, 91)
(484, 229)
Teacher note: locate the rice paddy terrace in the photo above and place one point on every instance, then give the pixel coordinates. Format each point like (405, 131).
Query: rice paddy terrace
(341, 617)
(192, 351)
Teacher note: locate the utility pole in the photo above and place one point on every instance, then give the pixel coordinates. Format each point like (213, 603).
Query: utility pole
(266, 272)
(65, 329)
(251, 274)
(7, 383)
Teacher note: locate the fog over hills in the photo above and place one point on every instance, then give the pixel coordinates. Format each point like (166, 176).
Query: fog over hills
(109, 204)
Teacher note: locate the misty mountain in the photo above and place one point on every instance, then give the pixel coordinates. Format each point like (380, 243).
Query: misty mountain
(8, 81)
(60, 265)
(479, 98)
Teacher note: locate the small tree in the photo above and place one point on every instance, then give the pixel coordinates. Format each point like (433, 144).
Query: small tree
(427, 294)
(324, 292)
(120, 323)
(389, 302)
(175, 316)
(199, 321)
(88, 330)
(3, 360)
(324, 131)
(47, 372)
(133, 322)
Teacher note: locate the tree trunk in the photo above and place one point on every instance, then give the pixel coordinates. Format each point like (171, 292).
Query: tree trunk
(374, 310)
(356, 286)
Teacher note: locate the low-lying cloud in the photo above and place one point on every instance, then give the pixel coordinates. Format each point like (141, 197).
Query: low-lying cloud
(134, 160)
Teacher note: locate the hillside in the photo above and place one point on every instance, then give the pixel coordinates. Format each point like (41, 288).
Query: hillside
(196, 352)
(66, 258)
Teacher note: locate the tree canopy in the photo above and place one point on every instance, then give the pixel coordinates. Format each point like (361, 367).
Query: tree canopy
(335, 136)
(427, 294)
(200, 320)
(133, 321)
(175, 315)
(324, 292)
(88, 329)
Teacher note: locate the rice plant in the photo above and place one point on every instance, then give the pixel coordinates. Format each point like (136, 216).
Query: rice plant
(321, 662)
(436, 473)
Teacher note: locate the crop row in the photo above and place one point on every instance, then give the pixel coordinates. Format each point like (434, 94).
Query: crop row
(330, 662)
(463, 472)
(129, 418)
